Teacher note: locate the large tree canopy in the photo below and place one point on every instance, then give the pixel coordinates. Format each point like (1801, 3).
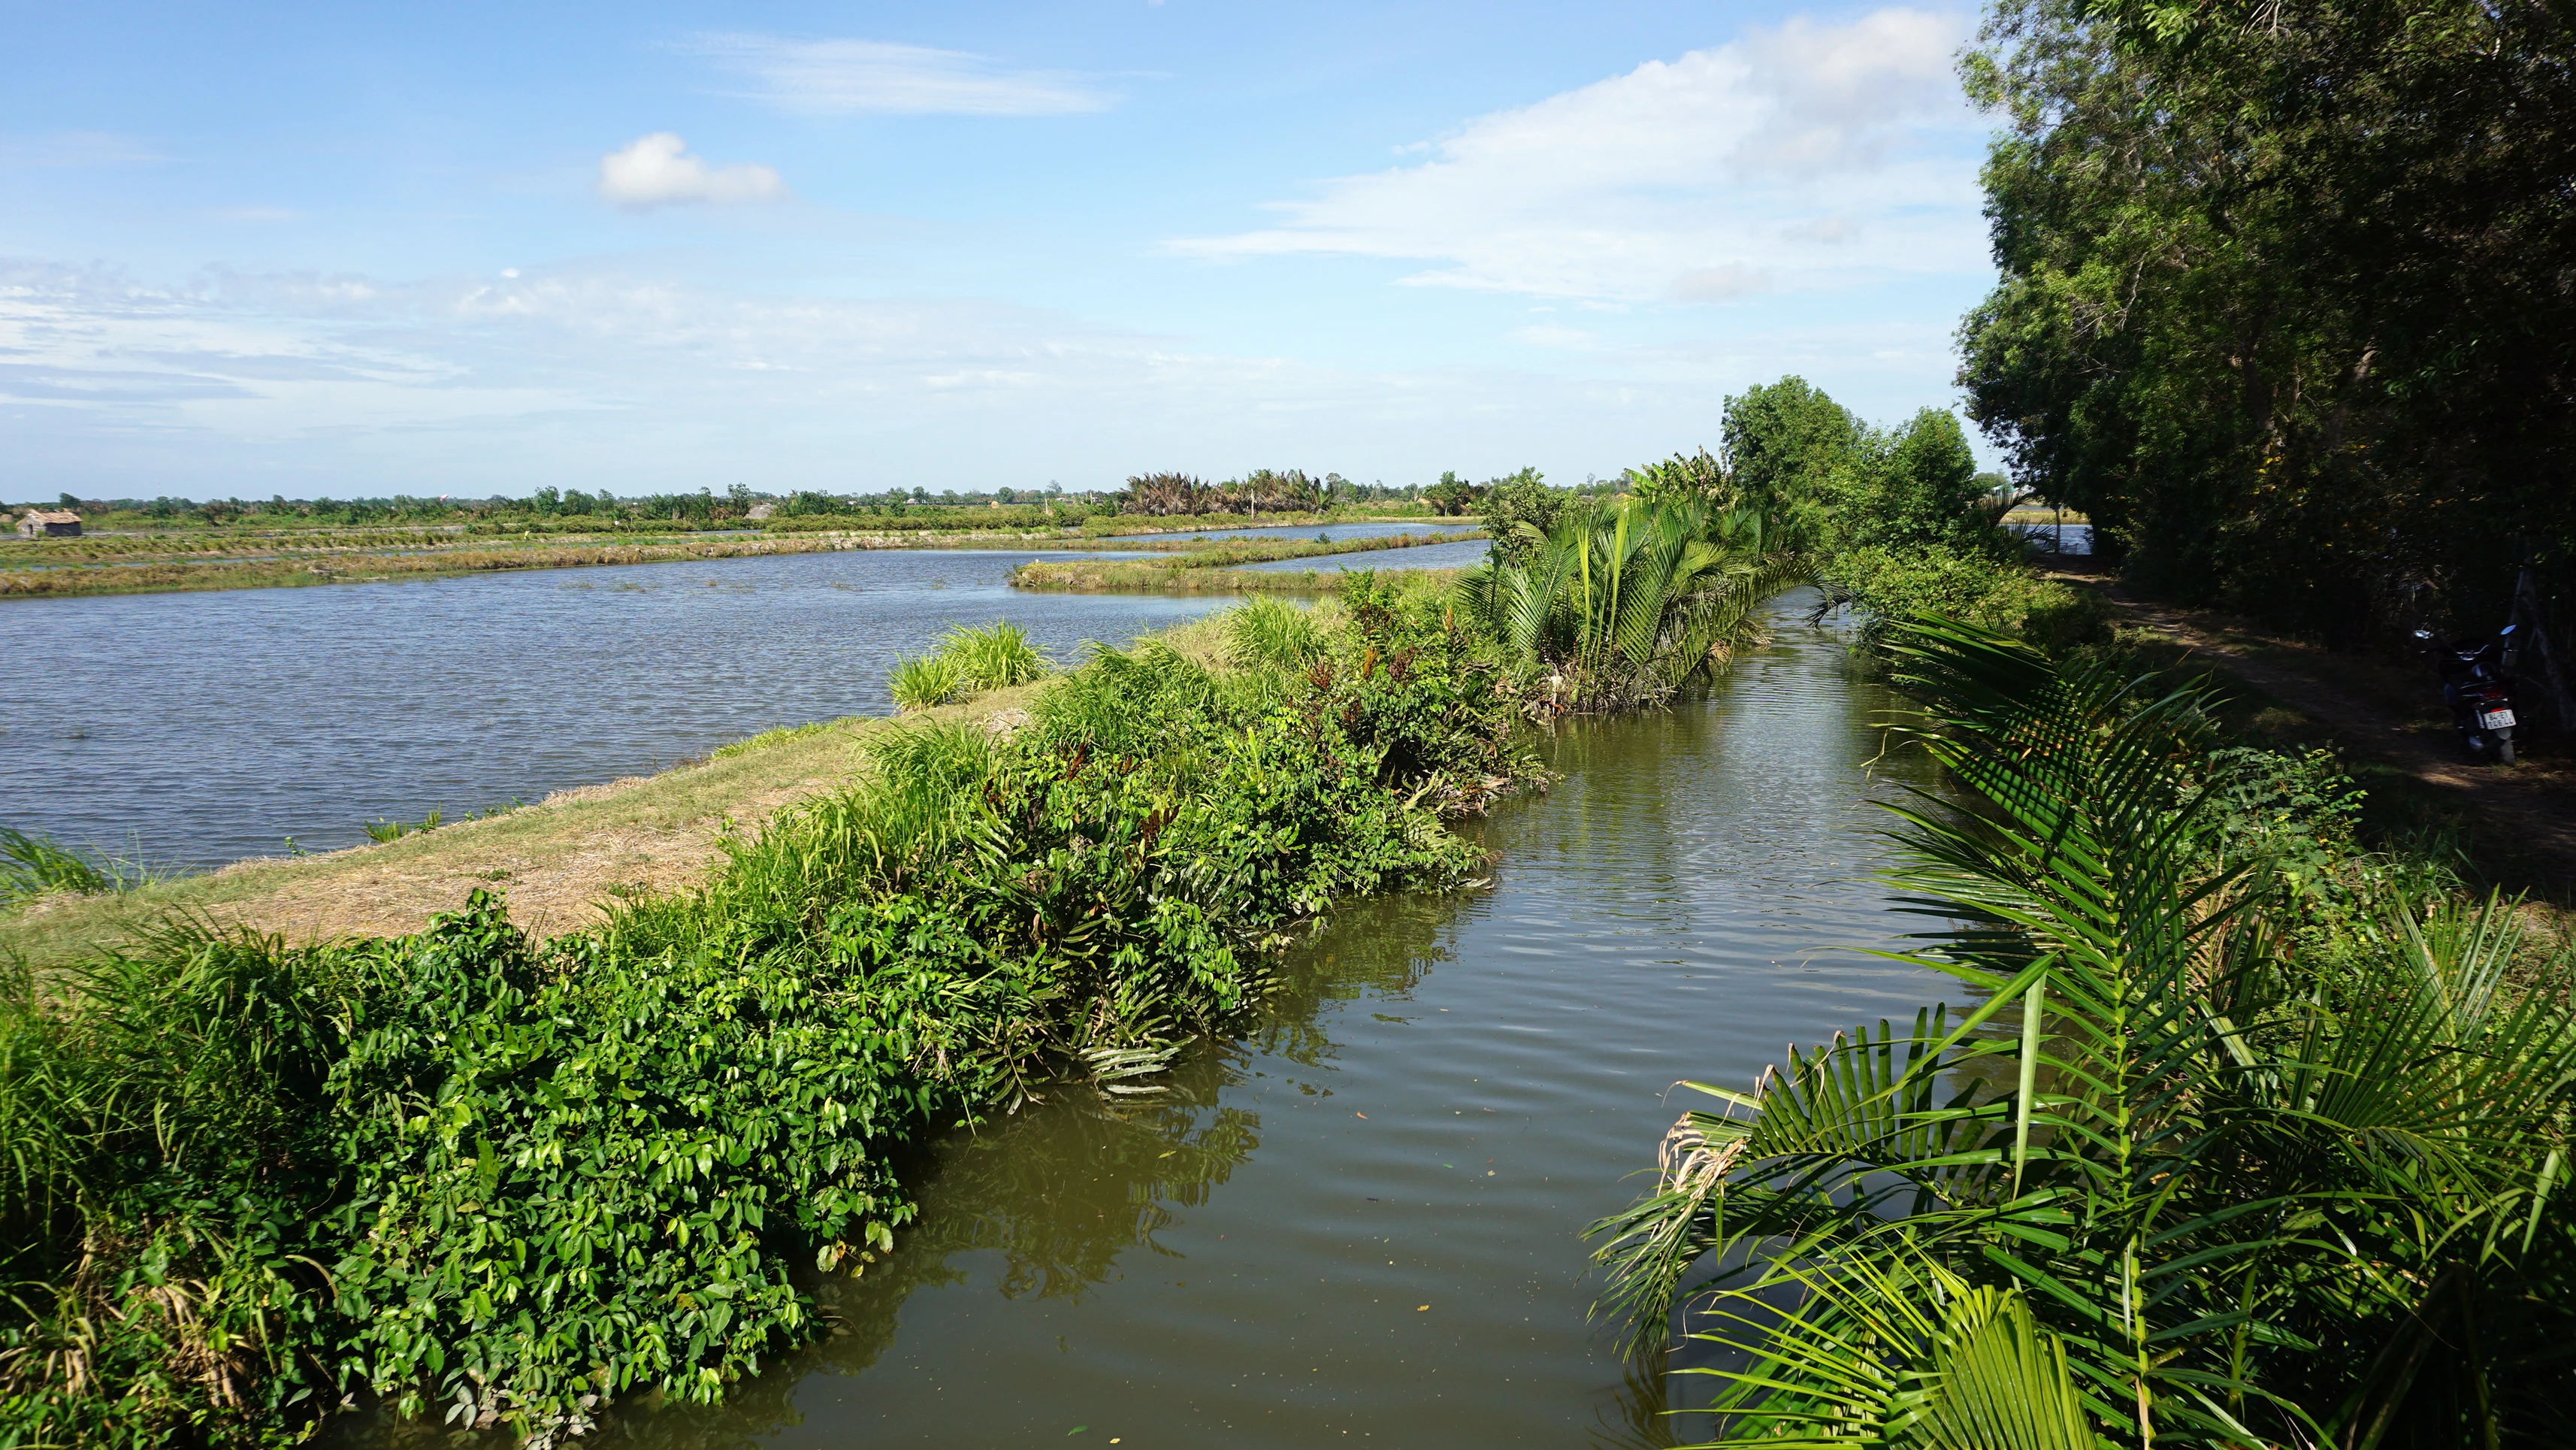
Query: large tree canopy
(2286, 296)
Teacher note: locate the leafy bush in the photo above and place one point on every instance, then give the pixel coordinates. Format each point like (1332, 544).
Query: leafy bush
(1521, 511)
(1891, 585)
(499, 1182)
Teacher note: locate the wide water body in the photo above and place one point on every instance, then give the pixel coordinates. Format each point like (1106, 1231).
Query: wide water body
(195, 729)
(1364, 1223)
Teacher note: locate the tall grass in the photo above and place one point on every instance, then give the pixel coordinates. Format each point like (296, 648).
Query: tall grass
(920, 683)
(1271, 634)
(34, 865)
(995, 657)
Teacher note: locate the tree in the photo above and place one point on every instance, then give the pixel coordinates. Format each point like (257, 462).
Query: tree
(1520, 511)
(1453, 495)
(1919, 488)
(2285, 299)
(1782, 443)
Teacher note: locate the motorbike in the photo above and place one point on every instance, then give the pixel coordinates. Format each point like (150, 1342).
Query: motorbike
(2478, 691)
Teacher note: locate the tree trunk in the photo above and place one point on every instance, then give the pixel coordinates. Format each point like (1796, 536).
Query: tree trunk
(2535, 642)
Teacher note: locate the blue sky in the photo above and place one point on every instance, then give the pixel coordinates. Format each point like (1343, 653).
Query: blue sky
(473, 249)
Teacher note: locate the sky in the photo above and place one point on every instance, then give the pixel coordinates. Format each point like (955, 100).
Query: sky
(358, 250)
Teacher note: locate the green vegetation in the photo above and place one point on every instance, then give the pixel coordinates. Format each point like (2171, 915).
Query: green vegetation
(1272, 634)
(995, 657)
(382, 831)
(2249, 1137)
(925, 681)
(1211, 566)
(499, 1181)
(1897, 522)
(1262, 491)
(1619, 606)
(33, 866)
(2283, 304)
(780, 736)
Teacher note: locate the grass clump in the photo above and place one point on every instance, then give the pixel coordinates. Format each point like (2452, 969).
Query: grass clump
(245, 1179)
(995, 657)
(1272, 634)
(389, 829)
(920, 683)
(35, 865)
(968, 661)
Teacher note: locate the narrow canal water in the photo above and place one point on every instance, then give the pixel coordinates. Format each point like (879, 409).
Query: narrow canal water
(1362, 1224)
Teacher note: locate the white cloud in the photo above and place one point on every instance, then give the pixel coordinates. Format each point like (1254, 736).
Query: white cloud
(840, 77)
(648, 376)
(657, 170)
(1724, 173)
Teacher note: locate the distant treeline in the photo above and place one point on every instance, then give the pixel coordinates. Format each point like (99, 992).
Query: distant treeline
(702, 507)
(1276, 490)
(1261, 490)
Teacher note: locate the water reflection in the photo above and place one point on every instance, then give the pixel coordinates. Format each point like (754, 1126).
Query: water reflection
(1046, 1204)
(1361, 1221)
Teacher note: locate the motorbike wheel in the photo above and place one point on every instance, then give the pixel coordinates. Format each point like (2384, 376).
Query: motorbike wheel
(2504, 750)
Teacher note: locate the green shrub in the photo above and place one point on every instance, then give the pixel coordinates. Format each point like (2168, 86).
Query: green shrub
(1889, 585)
(499, 1183)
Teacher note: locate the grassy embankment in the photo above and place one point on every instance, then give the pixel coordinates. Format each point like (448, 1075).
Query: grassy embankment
(1215, 567)
(196, 559)
(560, 860)
(500, 1180)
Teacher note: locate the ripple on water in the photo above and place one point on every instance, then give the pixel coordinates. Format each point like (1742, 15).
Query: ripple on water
(204, 727)
(1450, 1090)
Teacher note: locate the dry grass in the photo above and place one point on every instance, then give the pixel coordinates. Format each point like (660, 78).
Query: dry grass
(556, 861)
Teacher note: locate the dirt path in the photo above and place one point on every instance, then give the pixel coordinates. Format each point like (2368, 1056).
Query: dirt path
(2391, 716)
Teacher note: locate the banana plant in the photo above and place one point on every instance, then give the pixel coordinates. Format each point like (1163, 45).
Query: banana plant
(2206, 1175)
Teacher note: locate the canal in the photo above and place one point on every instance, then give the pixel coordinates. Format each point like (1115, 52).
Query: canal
(1362, 1223)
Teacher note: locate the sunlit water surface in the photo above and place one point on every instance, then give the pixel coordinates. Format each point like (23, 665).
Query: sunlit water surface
(195, 729)
(1363, 1222)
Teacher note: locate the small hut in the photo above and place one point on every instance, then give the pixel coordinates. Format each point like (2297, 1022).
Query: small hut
(49, 524)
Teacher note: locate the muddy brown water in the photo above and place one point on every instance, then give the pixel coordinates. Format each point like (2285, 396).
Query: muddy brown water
(1361, 1224)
